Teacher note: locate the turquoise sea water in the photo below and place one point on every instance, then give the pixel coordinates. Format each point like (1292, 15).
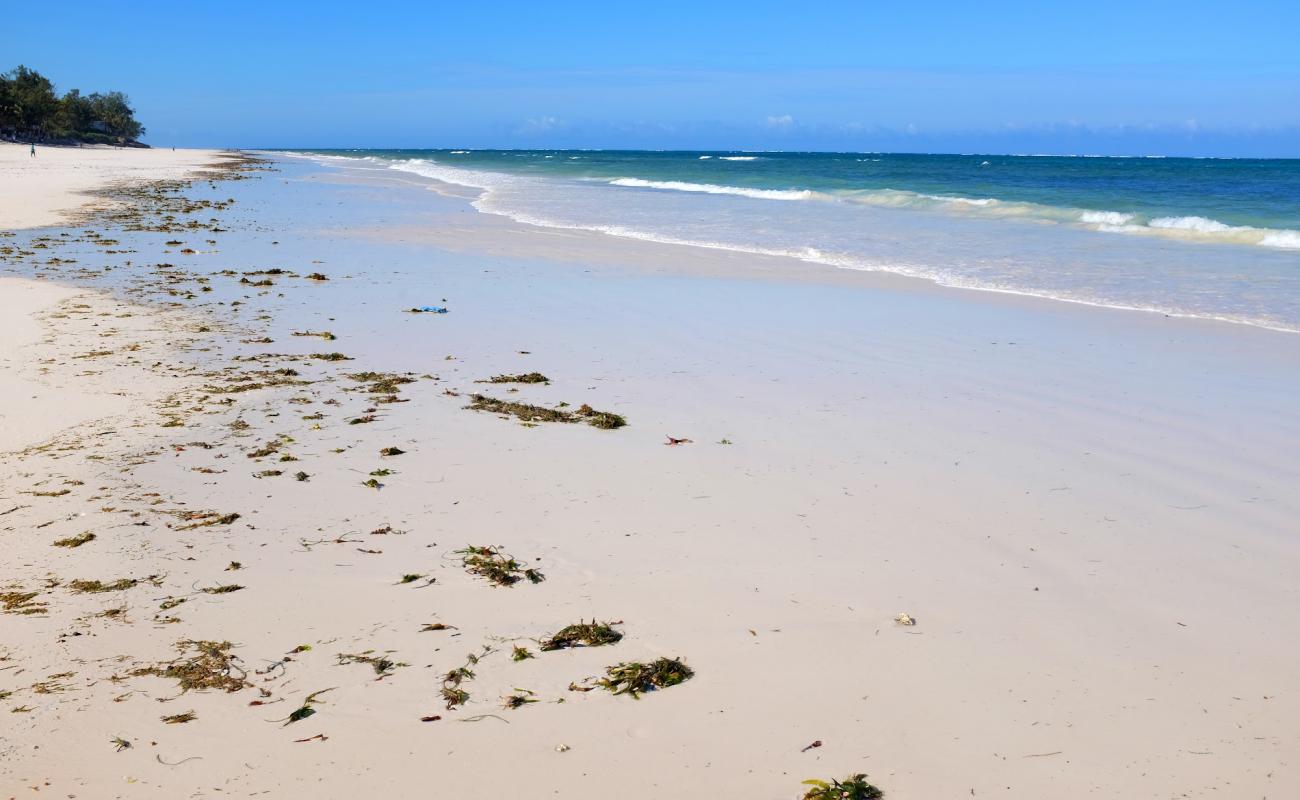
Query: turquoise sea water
(1217, 238)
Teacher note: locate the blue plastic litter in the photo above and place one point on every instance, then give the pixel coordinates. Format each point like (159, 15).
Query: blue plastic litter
(430, 310)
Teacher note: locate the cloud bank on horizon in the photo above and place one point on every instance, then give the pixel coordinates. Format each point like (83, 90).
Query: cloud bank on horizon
(1105, 77)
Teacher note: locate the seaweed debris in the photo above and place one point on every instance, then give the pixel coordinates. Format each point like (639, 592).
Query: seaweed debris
(382, 665)
(19, 602)
(211, 666)
(584, 634)
(514, 701)
(76, 541)
(854, 787)
(605, 420)
(178, 719)
(498, 568)
(527, 377)
(226, 589)
(634, 678)
(95, 587)
(452, 692)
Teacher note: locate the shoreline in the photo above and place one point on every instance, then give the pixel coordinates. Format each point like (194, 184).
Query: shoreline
(784, 266)
(1080, 509)
(58, 184)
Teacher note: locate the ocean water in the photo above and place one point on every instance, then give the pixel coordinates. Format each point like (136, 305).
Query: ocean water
(1214, 238)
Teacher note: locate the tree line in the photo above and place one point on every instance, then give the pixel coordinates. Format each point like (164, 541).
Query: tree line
(31, 109)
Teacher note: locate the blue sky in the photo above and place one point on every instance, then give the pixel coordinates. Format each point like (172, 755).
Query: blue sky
(1179, 78)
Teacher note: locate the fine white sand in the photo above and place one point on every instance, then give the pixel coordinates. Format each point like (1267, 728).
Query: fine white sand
(1090, 514)
(42, 190)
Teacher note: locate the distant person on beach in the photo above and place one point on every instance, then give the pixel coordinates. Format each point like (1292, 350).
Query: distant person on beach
(33, 149)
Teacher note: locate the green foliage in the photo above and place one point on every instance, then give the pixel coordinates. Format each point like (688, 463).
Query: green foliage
(31, 108)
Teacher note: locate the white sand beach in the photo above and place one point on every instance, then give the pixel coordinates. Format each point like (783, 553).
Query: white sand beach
(42, 189)
(1089, 514)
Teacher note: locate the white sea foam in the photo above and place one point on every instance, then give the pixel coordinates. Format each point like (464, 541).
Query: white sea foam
(459, 152)
(738, 158)
(1106, 217)
(1287, 240)
(1200, 224)
(711, 188)
(705, 158)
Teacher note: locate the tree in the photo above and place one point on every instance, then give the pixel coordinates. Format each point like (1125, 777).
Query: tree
(114, 112)
(32, 99)
(76, 114)
(29, 107)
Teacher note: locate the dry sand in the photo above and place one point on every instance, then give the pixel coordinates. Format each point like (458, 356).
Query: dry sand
(1089, 513)
(43, 190)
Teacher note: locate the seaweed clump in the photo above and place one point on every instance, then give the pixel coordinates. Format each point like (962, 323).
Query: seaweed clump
(96, 587)
(634, 678)
(605, 420)
(76, 541)
(452, 693)
(212, 666)
(854, 787)
(527, 377)
(497, 567)
(18, 602)
(584, 634)
(523, 411)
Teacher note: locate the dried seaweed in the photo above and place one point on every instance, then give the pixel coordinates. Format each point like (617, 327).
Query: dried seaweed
(606, 420)
(19, 602)
(179, 719)
(382, 665)
(95, 587)
(211, 666)
(498, 568)
(76, 541)
(527, 377)
(584, 634)
(226, 589)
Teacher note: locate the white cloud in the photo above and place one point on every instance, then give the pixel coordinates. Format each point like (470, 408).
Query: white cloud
(782, 122)
(541, 125)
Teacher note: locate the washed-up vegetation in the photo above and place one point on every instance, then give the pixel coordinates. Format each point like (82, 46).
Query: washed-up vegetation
(854, 787)
(525, 412)
(382, 665)
(95, 587)
(209, 665)
(75, 541)
(20, 602)
(452, 693)
(584, 634)
(527, 377)
(634, 678)
(496, 567)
